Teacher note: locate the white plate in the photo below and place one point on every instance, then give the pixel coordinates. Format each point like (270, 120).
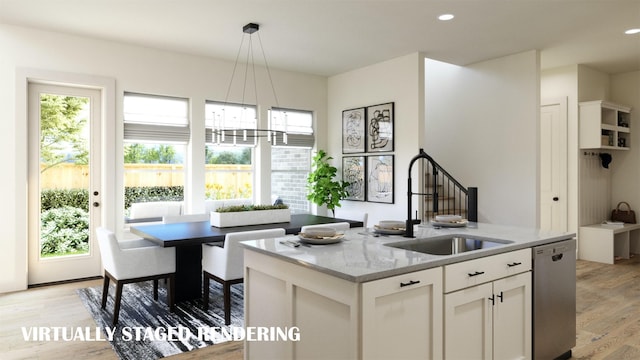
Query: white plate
(318, 232)
(320, 240)
(391, 224)
(461, 223)
(448, 218)
(385, 231)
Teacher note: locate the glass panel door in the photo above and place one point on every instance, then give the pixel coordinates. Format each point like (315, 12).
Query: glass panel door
(64, 182)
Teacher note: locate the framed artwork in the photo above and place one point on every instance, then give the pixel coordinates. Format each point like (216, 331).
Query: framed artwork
(380, 127)
(380, 178)
(353, 171)
(353, 131)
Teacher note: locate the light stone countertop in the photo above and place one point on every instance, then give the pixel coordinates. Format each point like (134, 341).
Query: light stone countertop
(362, 257)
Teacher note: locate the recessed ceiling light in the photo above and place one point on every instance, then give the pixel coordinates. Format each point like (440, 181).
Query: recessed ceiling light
(445, 17)
(632, 31)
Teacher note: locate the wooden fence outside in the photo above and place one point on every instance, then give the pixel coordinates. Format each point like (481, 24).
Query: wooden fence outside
(71, 176)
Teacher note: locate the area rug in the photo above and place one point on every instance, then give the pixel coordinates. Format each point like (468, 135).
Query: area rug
(147, 330)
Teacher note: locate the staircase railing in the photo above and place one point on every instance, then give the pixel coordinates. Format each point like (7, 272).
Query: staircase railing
(442, 194)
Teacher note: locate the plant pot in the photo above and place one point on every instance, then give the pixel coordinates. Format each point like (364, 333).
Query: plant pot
(254, 217)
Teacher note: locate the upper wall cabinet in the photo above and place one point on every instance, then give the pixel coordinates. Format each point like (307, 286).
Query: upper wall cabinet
(604, 125)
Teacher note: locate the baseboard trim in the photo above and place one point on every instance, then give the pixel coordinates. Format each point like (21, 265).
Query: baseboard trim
(64, 282)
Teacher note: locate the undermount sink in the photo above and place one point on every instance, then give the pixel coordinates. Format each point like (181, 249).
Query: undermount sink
(448, 245)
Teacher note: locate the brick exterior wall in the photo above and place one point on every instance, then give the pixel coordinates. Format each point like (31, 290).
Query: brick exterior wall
(289, 170)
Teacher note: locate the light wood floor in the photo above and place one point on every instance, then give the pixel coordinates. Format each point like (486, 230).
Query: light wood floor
(608, 318)
(608, 310)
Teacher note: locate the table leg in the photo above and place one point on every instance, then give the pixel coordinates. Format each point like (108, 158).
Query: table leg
(188, 272)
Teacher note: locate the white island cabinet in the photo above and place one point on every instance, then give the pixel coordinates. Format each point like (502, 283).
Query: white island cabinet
(393, 318)
(402, 316)
(362, 299)
(493, 317)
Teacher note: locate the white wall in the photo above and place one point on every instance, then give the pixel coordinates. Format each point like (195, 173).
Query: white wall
(594, 181)
(400, 81)
(132, 68)
(482, 126)
(592, 84)
(597, 184)
(625, 89)
(589, 184)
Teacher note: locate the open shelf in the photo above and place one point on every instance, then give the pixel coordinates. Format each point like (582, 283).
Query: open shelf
(605, 125)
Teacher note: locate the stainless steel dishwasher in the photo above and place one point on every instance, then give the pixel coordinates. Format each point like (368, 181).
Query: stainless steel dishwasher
(554, 300)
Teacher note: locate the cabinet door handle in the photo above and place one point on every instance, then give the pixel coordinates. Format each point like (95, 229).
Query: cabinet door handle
(500, 296)
(411, 282)
(514, 264)
(493, 300)
(475, 273)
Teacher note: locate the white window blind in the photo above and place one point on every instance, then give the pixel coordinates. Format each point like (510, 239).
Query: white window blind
(230, 116)
(297, 123)
(153, 118)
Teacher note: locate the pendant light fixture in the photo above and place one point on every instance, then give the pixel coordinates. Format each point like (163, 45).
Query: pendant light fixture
(226, 129)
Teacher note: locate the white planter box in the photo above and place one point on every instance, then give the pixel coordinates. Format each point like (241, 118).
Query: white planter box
(255, 217)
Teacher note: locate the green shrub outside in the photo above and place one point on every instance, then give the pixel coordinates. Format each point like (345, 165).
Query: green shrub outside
(79, 198)
(65, 231)
(152, 193)
(58, 198)
(64, 216)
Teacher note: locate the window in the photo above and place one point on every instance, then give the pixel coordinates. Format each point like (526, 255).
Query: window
(291, 162)
(156, 133)
(297, 123)
(229, 166)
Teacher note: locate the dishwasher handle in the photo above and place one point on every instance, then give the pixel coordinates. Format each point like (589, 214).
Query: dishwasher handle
(557, 257)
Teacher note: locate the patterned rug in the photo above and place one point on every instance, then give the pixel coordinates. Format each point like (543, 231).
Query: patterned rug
(147, 330)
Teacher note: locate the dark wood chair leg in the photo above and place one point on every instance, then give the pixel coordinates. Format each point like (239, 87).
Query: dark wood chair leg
(155, 289)
(116, 308)
(171, 292)
(227, 302)
(205, 290)
(105, 290)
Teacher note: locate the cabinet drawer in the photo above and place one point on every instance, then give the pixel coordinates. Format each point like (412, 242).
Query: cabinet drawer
(403, 282)
(473, 272)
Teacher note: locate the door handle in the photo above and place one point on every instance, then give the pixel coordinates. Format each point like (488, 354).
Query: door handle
(96, 204)
(555, 198)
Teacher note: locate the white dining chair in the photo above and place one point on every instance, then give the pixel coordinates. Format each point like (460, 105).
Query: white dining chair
(338, 226)
(226, 264)
(133, 261)
(354, 215)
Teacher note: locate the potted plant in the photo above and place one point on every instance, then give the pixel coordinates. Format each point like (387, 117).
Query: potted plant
(240, 215)
(323, 189)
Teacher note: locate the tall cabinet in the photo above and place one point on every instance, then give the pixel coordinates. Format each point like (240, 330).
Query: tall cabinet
(604, 125)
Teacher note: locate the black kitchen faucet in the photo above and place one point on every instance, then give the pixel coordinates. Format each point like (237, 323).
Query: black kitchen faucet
(408, 232)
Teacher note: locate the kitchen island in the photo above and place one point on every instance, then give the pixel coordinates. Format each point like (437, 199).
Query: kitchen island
(362, 298)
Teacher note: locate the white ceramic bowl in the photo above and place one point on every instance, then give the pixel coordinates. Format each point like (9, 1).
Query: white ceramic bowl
(391, 224)
(448, 218)
(320, 232)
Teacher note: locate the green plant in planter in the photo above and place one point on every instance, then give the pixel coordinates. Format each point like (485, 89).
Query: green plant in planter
(323, 190)
(237, 208)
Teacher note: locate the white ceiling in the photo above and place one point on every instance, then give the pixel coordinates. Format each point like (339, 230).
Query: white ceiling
(328, 37)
